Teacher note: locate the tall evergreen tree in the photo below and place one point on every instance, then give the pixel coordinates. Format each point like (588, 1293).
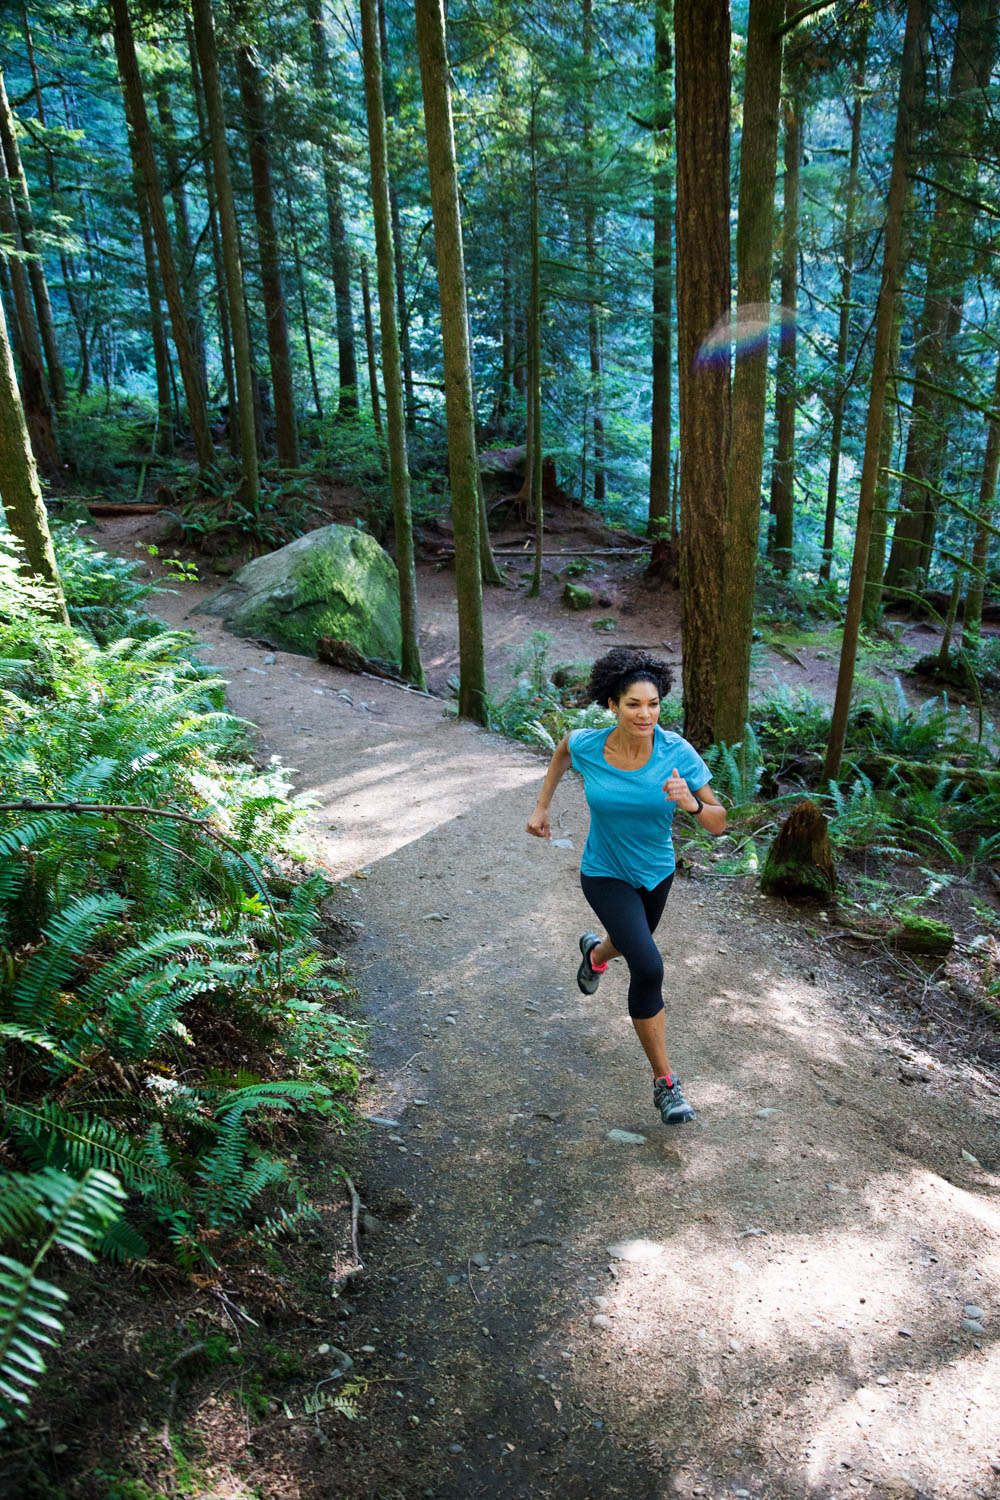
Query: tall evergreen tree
(204, 36)
(463, 458)
(754, 243)
(395, 418)
(22, 496)
(702, 41)
(135, 109)
(885, 317)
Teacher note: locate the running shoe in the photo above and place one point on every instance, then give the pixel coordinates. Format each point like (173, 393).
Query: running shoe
(670, 1101)
(587, 977)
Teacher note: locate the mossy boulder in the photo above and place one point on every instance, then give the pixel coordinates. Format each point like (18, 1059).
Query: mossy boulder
(575, 596)
(336, 581)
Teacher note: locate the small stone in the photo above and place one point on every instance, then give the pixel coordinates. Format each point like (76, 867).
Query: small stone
(625, 1137)
(970, 1310)
(455, 1448)
(450, 1021)
(835, 1187)
(600, 1320)
(635, 1250)
(480, 1260)
(270, 659)
(383, 1120)
(743, 1493)
(973, 1161)
(367, 1348)
(995, 1465)
(434, 916)
(602, 1303)
(882, 1380)
(765, 1114)
(905, 1333)
(323, 1349)
(972, 1325)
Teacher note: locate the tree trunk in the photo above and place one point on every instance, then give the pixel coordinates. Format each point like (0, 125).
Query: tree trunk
(22, 496)
(221, 301)
(844, 329)
(594, 278)
(36, 270)
(659, 453)
(871, 604)
(754, 237)
(300, 281)
(402, 310)
(161, 354)
(66, 261)
(366, 300)
(972, 616)
(340, 257)
(463, 463)
(34, 390)
(135, 110)
(187, 269)
(702, 41)
(534, 476)
(395, 418)
(885, 318)
(783, 470)
(272, 288)
(204, 37)
(948, 263)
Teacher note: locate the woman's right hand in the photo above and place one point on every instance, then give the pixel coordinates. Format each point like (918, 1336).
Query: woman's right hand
(538, 824)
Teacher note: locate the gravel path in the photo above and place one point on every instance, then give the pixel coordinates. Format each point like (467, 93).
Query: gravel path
(562, 1297)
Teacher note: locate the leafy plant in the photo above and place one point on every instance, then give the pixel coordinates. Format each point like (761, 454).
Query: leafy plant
(736, 769)
(165, 1004)
(44, 1211)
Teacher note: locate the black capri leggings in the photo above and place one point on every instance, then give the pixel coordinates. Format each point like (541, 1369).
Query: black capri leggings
(629, 915)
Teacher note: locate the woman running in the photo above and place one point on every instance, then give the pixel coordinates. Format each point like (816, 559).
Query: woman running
(635, 776)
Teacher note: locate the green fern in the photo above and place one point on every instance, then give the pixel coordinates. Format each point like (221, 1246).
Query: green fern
(62, 1212)
(68, 936)
(78, 1142)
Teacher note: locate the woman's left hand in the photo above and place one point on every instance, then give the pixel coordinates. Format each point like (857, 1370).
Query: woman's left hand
(678, 791)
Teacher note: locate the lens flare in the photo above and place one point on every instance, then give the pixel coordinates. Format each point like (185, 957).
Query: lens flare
(744, 331)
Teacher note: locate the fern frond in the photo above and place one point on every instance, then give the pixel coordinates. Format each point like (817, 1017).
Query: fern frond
(70, 1214)
(31, 1038)
(79, 1142)
(69, 934)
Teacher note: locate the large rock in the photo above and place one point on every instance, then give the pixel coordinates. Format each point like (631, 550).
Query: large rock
(336, 581)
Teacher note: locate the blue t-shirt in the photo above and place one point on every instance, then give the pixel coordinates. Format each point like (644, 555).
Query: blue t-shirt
(630, 816)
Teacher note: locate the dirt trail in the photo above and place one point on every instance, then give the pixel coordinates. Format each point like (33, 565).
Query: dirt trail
(781, 1312)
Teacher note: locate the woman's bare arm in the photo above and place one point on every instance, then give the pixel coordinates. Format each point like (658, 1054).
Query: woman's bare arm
(538, 824)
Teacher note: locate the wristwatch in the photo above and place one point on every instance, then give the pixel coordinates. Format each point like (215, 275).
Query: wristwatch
(699, 809)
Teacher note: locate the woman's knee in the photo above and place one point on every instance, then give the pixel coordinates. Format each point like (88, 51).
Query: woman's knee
(644, 1007)
(645, 991)
(646, 969)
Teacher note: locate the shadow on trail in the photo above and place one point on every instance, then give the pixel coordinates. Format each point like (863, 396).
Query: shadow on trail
(783, 1298)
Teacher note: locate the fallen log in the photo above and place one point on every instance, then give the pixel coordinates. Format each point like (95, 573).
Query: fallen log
(102, 509)
(906, 934)
(879, 768)
(344, 654)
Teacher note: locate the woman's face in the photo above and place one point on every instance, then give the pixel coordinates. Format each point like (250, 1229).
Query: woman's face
(637, 709)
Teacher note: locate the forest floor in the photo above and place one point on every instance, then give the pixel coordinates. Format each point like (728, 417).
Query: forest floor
(796, 1296)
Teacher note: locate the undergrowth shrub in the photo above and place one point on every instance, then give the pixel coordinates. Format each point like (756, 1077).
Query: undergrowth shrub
(169, 1021)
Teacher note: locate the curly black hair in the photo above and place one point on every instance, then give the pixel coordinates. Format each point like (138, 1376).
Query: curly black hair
(614, 673)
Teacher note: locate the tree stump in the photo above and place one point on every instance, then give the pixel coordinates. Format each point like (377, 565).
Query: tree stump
(799, 863)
